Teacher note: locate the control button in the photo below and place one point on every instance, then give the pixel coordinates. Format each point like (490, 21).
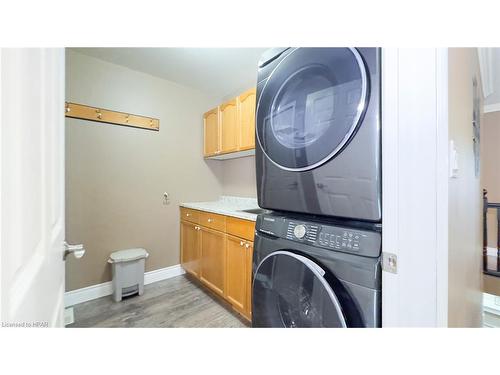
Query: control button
(299, 231)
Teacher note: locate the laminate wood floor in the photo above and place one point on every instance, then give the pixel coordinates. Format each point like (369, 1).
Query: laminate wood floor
(176, 302)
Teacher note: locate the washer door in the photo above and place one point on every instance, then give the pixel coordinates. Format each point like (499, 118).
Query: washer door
(311, 106)
(289, 290)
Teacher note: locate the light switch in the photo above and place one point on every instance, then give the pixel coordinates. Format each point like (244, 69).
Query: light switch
(453, 160)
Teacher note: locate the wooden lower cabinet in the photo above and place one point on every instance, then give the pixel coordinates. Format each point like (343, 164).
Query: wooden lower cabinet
(213, 260)
(190, 248)
(236, 273)
(249, 255)
(219, 256)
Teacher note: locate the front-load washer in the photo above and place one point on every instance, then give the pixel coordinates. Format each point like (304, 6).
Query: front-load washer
(315, 274)
(318, 132)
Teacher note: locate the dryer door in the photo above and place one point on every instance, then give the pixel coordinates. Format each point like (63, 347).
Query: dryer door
(289, 290)
(310, 106)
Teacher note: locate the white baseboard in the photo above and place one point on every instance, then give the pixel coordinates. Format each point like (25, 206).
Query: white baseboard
(74, 297)
(492, 107)
(491, 251)
(491, 303)
(89, 293)
(163, 274)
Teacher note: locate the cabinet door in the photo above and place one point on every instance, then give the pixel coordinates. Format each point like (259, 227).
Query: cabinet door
(229, 126)
(190, 248)
(211, 132)
(246, 119)
(213, 259)
(236, 273)
(249, 257)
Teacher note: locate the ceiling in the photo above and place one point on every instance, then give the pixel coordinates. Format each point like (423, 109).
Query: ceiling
(216, 71)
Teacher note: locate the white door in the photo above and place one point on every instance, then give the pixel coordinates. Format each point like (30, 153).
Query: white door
(32, 186)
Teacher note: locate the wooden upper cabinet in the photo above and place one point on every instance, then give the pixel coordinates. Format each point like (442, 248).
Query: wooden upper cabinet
(212, 132)
(246, 119)
(229, 126)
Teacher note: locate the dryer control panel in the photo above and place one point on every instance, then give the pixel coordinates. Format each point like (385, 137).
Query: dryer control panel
(328, 236)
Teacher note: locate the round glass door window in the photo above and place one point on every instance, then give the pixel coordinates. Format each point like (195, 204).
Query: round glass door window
(289, 291)
(311, 106)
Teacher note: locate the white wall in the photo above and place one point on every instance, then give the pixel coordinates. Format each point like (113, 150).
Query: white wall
(238, 177)
(116, 176)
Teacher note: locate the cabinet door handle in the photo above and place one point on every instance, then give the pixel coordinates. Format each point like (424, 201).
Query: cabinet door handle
(188, 215)
(247, 245)
(209, 220)
(241, 243)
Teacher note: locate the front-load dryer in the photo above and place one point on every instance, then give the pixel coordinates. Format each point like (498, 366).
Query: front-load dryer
(316, 273)
(318, 132)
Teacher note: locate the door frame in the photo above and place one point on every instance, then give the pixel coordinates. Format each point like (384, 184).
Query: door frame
(415, 164)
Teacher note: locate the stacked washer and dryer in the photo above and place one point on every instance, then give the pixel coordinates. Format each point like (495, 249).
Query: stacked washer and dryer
(318, 158)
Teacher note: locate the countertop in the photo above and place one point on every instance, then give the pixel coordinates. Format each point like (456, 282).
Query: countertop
(227, 205)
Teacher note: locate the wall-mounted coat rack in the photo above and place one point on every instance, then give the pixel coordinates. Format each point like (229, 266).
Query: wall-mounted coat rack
(85, 112)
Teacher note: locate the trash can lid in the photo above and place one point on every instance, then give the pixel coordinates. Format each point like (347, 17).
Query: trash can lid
(127, 255)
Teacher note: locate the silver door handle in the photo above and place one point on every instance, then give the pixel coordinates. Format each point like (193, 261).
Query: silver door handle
(76, 250)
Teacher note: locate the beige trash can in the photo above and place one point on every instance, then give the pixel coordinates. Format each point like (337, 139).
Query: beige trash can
(128, 272)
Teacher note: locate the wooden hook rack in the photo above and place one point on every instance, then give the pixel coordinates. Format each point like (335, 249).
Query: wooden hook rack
(85, 112)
